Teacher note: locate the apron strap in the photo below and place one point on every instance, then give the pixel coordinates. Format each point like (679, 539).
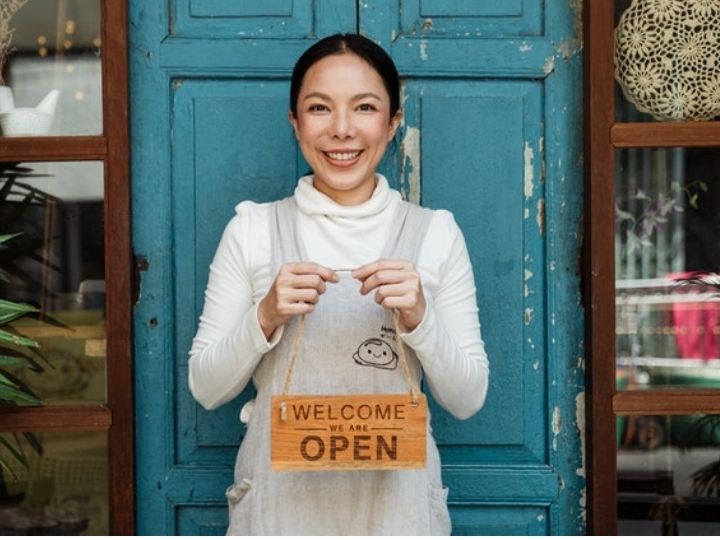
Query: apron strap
(407, 232)
(286, 245)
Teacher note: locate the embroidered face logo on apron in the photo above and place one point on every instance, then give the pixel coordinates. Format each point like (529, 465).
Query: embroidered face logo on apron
(376, 353)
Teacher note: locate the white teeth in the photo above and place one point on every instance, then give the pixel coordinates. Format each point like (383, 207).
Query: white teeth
(343, 156)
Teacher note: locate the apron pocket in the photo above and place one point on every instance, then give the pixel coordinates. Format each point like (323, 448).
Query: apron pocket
(237, 492)
(439, 515)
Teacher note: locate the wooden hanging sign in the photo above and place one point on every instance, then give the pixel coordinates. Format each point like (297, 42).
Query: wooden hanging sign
(349, 432)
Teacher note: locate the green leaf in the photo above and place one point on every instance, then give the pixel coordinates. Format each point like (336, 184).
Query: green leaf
(13, 361)
(703, 186)
(14, 390)
(34, 442)
(4, 380)
(4, 466)
(9, 311)
(14, 451)
(693, 200)
(5, 237)
(17, 396)
(13, 353)
(16, 340)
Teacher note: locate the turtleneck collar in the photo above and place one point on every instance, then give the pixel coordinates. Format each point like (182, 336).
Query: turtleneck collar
(311, 201)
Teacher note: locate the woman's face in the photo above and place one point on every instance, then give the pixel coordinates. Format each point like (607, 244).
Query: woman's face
(343, 125)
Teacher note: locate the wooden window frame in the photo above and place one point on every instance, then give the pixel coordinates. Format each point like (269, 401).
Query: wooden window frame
(112, 149)
(603, 136)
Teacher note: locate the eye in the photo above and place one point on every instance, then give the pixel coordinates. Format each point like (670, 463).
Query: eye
(369, 351)
(367, 107)
(317, 107)
(384, 353)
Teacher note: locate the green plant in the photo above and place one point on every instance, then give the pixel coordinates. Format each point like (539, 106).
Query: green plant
(14, 392)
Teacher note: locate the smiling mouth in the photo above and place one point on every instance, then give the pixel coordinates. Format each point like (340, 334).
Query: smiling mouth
(343, 156)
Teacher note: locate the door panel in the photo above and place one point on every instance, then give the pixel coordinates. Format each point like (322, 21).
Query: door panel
(490, 18)
(492, 132)
(210, 81)
(208, 179)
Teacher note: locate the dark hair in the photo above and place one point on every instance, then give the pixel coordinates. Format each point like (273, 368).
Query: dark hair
(356, 44)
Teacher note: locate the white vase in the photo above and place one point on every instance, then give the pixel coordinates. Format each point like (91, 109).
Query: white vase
(7, 103)
(27, 121)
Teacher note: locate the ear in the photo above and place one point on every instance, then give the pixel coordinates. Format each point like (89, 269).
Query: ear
(395, 122)
(293, 123)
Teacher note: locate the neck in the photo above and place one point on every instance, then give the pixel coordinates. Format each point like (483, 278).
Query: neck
(352, 197)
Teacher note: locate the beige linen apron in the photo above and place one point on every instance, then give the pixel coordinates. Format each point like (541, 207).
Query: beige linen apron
(349, 346)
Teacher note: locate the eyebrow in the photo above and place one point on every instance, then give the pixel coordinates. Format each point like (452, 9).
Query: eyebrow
(356, 97)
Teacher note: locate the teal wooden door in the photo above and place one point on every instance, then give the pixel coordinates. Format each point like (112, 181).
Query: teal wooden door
(493, 124)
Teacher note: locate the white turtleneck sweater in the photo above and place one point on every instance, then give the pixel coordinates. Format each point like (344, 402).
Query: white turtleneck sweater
(229, 343)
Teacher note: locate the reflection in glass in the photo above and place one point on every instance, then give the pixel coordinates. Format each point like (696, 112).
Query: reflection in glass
(64, 489)
(667, 265)
(56, 264)
(56, 46)
(669, 475)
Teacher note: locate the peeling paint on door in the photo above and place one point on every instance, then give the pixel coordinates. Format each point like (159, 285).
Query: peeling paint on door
(410, 168)
(529, 156)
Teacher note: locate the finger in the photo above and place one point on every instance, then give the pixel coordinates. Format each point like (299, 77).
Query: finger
(304, 268)
(401, 303)
(386, 277)
(400, 290)
(298, 309)
(388, 264)
(293, 296)
(305, 281)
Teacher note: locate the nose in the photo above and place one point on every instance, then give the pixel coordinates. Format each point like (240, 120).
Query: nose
(342, 125)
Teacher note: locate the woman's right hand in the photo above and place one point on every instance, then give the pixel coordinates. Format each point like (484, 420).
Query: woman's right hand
(295, 291)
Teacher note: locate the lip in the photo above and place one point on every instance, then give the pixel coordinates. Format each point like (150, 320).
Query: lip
(342, 163)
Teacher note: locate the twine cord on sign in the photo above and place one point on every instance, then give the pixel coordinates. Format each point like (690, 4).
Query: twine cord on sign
(414, 390)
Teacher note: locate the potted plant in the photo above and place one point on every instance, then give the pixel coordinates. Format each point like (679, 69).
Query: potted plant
(17, 352)
(14, 392)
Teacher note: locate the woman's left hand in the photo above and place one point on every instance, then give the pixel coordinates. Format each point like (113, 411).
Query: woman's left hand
(397, 285)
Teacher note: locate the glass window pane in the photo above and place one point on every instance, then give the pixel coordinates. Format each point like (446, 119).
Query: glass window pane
(56, 264)
(667, 265)
(55, 47)
(62, 491)
(669, 475)
(666, 65)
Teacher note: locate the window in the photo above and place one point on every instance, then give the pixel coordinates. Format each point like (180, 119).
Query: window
(652, 260)
(64, 184)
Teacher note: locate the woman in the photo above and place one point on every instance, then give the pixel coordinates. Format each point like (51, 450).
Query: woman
(344, 252)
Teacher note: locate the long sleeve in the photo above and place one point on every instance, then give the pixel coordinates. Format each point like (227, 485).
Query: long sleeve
(448, 342)
(229, 342)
